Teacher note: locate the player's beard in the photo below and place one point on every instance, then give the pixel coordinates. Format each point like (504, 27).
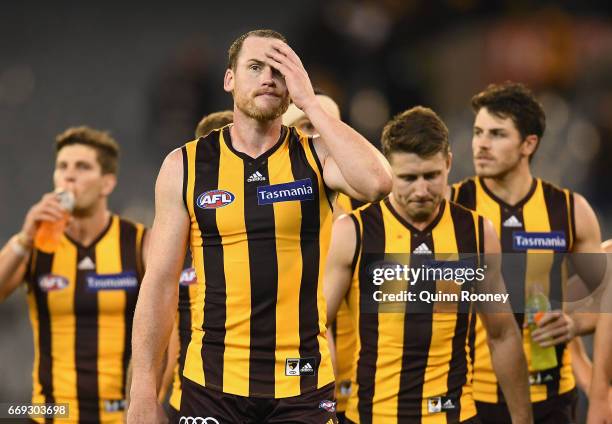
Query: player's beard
(248, 106)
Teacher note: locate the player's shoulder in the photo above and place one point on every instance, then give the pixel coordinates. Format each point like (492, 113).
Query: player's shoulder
(125, 222)
(552, 188)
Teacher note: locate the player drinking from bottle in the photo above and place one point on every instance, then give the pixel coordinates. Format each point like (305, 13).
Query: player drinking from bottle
(82, 290)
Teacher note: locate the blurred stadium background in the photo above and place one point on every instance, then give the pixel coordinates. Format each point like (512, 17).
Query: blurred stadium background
(148, 72)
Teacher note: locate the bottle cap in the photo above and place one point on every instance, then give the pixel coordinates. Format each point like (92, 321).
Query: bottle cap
(65, 198)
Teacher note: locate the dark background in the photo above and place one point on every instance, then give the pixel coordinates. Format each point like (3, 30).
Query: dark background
(148, 72)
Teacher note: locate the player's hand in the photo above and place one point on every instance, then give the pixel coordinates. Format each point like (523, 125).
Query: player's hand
(600, 411)
(47, 209)
(554, 327)
(287, 62)
(144, 411)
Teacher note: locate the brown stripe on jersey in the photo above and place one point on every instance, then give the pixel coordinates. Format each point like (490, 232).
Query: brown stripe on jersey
(559, 220)
(465, 194)
(263, 269)
(417, 335)
(213, 342)
(572, 219)
(373, 243)
(184, 327)
(129, 262)
(86, 341)
(467, 244)
(185, 170)
(309, 246)
(355, 204)
(42, 264)
(514, 266)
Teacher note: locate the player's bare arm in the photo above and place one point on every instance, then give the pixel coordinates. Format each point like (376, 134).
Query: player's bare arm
(338, 270)
(351, 164)
(559, 326)
(600, 407)
(157, 302)
(505, 341)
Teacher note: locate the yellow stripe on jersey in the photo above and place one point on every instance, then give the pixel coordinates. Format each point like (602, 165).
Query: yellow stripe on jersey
(408, 358)
(544, 209)
(259, 234)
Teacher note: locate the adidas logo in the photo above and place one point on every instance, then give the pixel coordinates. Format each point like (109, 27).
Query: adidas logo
(512, 222)
(448, 404)
(306, 368)
(256, 176)
(86, 264)
(421, 249)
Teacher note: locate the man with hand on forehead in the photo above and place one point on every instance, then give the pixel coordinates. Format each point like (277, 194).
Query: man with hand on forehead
(253, 201)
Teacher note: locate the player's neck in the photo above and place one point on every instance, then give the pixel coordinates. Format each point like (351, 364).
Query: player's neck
(513, 186)
(254, 137)
(86, 229)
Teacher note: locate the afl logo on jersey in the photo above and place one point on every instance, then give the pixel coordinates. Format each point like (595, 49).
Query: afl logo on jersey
(188, 277)
(214, 199)
(51, 282)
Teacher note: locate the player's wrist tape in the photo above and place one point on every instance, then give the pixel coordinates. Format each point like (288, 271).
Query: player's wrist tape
(19, 246)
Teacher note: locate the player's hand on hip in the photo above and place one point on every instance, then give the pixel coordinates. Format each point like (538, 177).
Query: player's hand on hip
(287, 62)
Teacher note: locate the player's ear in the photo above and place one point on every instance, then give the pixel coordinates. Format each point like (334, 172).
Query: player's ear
(228, 80)
(529, 145)
(109, 181)
(449, 161)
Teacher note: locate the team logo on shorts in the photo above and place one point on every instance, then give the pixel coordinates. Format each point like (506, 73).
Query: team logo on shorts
(52, 282)
(188, 277)
(214, 199)
(300, 366)
(198, 420)
(286, 192)
(121, 281)
(328, 405)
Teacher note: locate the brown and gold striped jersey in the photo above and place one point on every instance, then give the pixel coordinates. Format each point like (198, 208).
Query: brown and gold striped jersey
(260, 231)
(546, 211)
(82, 301)
(412, 364)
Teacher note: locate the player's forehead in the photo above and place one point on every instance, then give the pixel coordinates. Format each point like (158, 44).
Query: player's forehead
(404, 163)
(254, 48)
(486, 119)
(77, 153)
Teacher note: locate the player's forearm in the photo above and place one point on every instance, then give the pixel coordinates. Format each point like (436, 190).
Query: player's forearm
(12, 255)
(602, 357)
(584, 322)
(511, 369)
(153, 320)
(363, 167)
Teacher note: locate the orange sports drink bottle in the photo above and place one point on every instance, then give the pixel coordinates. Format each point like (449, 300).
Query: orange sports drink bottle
(50, 233)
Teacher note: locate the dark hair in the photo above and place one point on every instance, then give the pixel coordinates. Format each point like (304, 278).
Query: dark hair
(515, 101)
(213, 121)
(418, 130)
(234, 50)
(107, 149)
